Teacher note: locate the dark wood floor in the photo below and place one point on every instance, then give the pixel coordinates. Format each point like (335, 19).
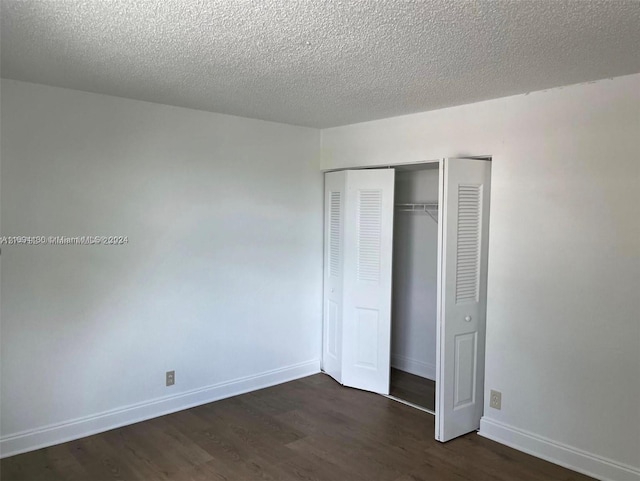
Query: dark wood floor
(414, 389)
(310, 429)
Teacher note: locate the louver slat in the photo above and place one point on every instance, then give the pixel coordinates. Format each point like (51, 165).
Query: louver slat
(468, 247)
(334, 235)
(369, 234)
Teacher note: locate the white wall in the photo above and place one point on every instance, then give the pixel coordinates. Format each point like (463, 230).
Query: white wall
(221, 280)
(415, 268)
(563, 322)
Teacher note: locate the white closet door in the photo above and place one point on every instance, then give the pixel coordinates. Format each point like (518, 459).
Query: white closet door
(464, 227)
(368, 236)
(334, 200)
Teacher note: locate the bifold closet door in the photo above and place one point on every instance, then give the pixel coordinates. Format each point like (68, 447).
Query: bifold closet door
(334, 200)
(357, 296)
(464, 229)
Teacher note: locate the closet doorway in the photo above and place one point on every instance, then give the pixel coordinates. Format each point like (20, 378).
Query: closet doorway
(414, 285)
(370, 286)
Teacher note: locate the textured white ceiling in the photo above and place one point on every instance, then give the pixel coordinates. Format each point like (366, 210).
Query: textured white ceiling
(317, 62)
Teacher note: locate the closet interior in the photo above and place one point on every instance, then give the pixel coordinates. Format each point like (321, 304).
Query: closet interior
(414, 287)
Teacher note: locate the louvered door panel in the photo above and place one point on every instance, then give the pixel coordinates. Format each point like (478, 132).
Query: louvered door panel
(468, 246)
(335, 234)
(369, 235)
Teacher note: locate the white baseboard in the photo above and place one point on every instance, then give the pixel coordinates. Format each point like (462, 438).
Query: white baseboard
(558, 453)
(413, 366)
(78, 428)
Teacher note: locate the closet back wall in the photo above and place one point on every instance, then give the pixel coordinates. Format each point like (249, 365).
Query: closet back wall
(415, 274)
(221, 279)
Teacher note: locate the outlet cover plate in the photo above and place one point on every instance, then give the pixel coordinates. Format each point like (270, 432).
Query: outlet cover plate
(171, 378)
(495, 401)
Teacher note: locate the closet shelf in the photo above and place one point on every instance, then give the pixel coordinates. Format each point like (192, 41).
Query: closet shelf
(430, 208)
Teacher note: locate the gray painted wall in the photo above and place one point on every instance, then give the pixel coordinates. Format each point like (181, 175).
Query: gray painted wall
(221, 279)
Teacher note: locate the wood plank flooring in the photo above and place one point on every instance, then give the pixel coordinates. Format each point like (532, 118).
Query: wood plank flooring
(311, 429)
(414, 389)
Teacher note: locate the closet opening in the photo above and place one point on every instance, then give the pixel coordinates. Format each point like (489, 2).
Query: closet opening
(414, 286)
(405, 285)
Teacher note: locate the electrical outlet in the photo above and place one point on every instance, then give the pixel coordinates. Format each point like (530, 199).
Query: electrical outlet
(171, 378)
(495, 401)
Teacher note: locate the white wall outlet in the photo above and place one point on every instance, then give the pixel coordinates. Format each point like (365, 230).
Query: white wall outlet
(495, 401)
(171, 378)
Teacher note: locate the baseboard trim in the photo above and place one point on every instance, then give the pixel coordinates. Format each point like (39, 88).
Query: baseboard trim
(50, 435)
(558, 453)
(413, 366)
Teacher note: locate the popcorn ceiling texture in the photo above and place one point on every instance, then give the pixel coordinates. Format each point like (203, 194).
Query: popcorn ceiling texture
(314, 62)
